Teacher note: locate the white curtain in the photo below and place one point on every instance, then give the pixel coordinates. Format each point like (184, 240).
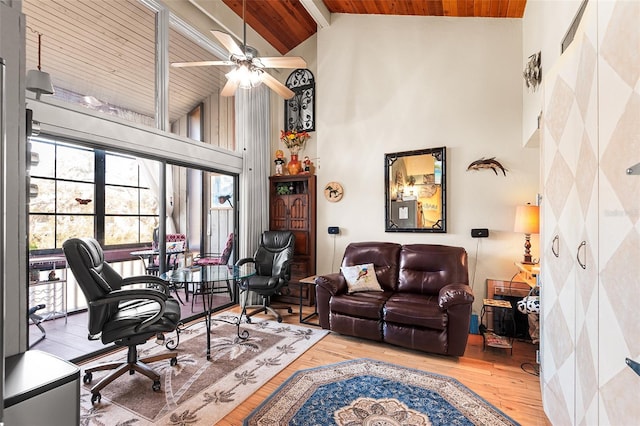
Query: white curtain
(151, 173)
(253, 136)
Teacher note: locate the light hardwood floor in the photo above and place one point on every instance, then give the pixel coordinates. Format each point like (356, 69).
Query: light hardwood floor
(494, 374)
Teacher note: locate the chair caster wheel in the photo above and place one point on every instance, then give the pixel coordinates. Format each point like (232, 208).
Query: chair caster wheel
(87, 378)
(156, 386)
(289, 310)
(174, 361)
(248, 320)
(279, 319)
(96, 397)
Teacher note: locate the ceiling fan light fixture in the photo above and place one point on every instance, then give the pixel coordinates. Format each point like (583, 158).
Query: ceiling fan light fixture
(245, 77)
(249, 67)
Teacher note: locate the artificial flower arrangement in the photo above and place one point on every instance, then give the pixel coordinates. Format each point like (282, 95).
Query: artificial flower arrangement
(294, 140)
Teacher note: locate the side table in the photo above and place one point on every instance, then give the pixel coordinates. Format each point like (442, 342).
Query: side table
(311, 282)
(490, 338)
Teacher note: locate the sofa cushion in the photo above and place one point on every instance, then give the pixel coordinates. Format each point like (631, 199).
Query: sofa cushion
(415, 310)
(363, 305)
(384, 257)
(425, 268)
(365, 328)
(361, 278)
(422, 339)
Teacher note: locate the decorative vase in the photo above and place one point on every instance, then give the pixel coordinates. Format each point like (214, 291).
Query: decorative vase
(294, 165)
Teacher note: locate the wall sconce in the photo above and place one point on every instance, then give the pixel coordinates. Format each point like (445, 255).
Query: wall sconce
(533, 72)
(527, 222)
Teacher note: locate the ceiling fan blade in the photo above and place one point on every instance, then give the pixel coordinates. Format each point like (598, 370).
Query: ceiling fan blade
(228, 42)
(283, 62)
(200, 64)
(276, 86)
(229, 89)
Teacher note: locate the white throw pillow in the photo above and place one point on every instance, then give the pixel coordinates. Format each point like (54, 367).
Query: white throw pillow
(361, 278)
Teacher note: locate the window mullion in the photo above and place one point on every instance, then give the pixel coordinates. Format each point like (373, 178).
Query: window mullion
(100, 195)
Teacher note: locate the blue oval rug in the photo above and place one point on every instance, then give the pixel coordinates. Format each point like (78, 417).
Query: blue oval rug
(369, 392)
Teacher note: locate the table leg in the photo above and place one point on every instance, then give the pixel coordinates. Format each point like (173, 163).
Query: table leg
(300, 283)
(305, 320)
(206, 303)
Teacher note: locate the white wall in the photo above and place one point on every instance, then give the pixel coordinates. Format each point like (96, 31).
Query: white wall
(13, 186)
(390, 83)
(307, 50)
(544, 25)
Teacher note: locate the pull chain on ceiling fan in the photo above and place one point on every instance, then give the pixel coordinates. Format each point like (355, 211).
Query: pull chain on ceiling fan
(249, 69)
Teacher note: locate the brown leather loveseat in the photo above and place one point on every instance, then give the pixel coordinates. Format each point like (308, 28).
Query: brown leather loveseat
(425, 302)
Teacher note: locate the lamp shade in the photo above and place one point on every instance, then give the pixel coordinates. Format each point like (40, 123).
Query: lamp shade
(527, 219)
(39, 82)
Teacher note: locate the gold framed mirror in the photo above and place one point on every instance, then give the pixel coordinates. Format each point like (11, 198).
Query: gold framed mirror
(415, 191)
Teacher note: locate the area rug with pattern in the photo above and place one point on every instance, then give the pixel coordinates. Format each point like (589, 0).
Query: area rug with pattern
(197, 391)
(368, 392)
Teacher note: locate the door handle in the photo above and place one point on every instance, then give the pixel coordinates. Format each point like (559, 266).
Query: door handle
(582, 264)
(555, 246)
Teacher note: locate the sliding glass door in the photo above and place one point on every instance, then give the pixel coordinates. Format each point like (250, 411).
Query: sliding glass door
(79, 190)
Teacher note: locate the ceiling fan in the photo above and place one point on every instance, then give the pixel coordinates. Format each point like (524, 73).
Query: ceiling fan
(249, 69)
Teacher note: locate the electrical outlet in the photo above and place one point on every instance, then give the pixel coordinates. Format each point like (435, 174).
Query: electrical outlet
(479, 232)
(334, 230)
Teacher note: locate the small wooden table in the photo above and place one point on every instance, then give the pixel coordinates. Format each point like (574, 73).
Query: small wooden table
(309, 281)
(489, 338)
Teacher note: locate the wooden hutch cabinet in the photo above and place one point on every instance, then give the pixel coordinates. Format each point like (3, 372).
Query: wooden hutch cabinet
(292, 201)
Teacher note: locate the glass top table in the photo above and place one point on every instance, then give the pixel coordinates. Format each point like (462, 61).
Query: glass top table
(211, 280)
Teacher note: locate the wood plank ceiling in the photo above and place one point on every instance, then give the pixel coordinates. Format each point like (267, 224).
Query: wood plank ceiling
(102, 51)
(286, 23)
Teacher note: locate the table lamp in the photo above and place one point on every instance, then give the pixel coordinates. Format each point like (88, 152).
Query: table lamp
(527, 222)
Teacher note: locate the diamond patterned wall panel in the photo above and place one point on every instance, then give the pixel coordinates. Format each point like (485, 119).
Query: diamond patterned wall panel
(570, 200)
(589, 197)
(619, 143)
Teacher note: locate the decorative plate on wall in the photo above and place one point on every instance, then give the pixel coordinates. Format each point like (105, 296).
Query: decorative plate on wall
(333, 192)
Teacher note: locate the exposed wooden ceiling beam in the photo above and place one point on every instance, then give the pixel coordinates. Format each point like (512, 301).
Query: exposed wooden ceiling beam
(318, 12)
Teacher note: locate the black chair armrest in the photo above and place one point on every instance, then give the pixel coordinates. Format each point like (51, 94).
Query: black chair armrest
(245, 261)
(136, 294)
(285, 273)
(147, 279)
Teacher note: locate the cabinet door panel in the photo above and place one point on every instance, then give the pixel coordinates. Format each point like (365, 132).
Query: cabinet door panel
(302, 243)
(279, 210)
(298, 212)
(300, 268)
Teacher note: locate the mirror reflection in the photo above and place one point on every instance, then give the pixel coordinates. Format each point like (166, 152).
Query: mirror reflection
(415, 191)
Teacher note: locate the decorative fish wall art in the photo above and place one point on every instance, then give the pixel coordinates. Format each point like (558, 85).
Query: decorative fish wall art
(487, 163)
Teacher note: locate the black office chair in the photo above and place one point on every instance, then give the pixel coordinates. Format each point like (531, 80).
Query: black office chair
(126, 317)
(272, 261)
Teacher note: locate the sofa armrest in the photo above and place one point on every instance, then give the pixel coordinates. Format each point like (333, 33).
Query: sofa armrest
(327, 286)
(455, 294)
(332, 283)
